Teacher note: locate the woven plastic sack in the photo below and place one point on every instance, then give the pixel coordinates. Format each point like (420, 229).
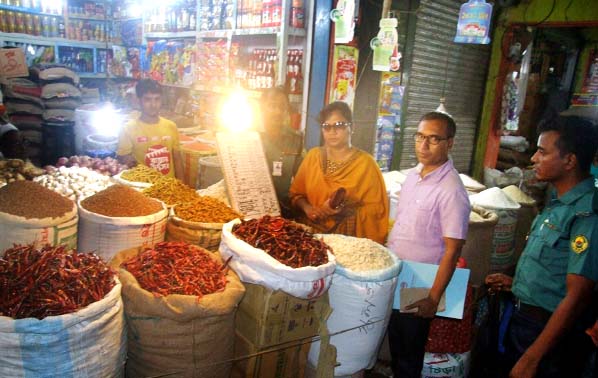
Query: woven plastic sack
(88, 343)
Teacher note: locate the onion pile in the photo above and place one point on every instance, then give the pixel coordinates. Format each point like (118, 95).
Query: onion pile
(107, 166)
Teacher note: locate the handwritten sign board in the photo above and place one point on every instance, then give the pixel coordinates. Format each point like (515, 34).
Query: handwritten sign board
(246, 173)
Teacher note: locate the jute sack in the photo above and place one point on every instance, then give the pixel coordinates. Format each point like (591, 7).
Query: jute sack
(53, 231)
(178, 334)
(206, 235)
(477, 250)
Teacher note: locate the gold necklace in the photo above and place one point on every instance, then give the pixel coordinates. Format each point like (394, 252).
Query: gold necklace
(333, 166)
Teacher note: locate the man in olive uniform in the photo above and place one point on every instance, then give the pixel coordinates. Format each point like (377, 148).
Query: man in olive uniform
(283, 145)
(558, 269)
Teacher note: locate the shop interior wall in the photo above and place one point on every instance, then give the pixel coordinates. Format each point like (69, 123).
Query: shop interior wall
(367, 93)
(591, 37)
(535, 13)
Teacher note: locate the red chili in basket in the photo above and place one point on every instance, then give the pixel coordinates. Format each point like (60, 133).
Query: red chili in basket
(287, 242)
(50, 281)
(177, 268)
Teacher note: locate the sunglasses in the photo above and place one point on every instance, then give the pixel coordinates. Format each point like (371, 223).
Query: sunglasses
(337, 125)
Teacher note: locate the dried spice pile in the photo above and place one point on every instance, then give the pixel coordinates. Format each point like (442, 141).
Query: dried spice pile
(50, 281)
(284, 240)
(31, 200)
(141, 173)
(121, 201)
(177, 268)
(171, 191)
(206, 210)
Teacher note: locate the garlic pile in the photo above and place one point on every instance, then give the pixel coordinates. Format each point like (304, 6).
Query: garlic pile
(75, 182)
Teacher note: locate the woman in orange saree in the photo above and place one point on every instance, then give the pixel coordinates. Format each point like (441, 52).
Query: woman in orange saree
(337, 164)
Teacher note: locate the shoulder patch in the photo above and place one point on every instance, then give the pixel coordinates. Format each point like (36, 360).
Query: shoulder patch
(579, 244)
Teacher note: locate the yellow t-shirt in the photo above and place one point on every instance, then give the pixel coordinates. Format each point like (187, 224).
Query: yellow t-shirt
(150, 143)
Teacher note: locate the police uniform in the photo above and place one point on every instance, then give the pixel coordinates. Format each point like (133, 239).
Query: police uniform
(284, 155)
(563, 240)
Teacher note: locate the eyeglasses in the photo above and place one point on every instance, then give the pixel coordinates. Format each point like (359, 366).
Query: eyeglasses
(337, 125)
(432, 139)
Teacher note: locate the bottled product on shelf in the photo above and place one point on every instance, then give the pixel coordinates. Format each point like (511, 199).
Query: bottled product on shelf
(178, 17)
(79, 59)
(85, 30)
(216, 14)
(219, 14)
(261, 69)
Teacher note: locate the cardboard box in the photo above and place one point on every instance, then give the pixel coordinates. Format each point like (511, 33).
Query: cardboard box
(266, 317)
(13, 63)
(286, 361)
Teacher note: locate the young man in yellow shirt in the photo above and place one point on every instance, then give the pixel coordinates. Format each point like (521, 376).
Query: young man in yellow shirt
(151, 140)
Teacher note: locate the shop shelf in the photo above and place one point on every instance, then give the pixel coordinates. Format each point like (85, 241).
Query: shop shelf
(39, 40)
(225, 33)
(90, 18)
(170, 35)
(27, 10)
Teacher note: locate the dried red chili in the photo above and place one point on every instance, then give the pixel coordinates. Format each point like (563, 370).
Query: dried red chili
(50, 281)
(287, 242)
(177, 268)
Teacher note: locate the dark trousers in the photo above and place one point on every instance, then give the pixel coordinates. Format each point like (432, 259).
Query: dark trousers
(567, 359)
(407, 337)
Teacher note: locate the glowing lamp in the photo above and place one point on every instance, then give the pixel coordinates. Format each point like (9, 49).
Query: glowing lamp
(236, 113)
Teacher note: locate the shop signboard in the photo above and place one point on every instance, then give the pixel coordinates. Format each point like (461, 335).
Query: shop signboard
(474, 22)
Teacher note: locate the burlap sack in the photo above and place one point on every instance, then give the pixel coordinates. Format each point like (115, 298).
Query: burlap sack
(178, 334)
(205, 235)
(477, 250)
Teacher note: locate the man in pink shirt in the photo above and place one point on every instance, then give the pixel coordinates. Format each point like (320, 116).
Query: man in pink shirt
(431, 227)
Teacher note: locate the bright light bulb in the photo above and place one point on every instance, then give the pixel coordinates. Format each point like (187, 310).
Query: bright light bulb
(236, 113)
(106, 121)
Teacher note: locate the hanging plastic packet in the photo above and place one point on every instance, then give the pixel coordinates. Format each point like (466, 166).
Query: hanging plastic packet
(344, 19)
(385, 46)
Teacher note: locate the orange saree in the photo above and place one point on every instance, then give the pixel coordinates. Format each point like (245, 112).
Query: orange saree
(365, 213)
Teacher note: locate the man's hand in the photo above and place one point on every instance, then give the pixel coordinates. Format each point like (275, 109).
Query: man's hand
(498, 282)
(426, 307)
(526, 367)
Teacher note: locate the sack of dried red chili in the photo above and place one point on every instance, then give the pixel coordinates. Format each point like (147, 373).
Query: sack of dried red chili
(303, 267)
(184, 335)
(452, 335)
(63, 315)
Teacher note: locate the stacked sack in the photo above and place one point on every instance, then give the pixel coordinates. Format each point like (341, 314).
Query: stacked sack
(287, 273)
(361, 296)
(24, 108)
(60, 97)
